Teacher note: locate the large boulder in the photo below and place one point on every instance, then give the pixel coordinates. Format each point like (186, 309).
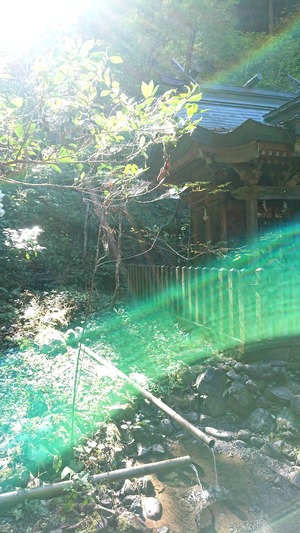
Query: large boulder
(211, 386)
(279, 395)
(240, 399)
(288, 426)
(128, 522)
(261, 421)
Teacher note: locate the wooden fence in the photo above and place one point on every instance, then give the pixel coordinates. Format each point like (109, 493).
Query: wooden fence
(240, 305)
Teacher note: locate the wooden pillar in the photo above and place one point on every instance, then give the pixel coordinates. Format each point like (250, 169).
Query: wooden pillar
(250, 175)
(252, 221)
(223, 223)
(197, 213)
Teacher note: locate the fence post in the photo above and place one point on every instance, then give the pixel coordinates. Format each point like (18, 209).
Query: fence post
(222, 299)
(231, 302)
(241, 304)
(196, 293)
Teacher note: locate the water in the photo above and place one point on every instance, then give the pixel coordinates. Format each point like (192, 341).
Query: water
(216, 472)
(199, 495)
(197, 475)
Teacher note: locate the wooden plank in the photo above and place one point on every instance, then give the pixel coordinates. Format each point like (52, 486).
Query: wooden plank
(259, 303)
(230, 303)
(190, 293)
(241, 305)
(222, 276)
(196, 295)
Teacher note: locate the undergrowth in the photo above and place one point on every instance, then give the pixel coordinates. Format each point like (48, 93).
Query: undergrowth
(38, 374)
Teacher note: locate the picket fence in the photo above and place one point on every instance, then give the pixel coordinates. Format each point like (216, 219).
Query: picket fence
(241, 305)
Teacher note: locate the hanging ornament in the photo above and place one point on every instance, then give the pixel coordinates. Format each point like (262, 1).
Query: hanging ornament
(205, 215)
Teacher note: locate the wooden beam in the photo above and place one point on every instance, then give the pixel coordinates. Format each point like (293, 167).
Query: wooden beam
(261, 192)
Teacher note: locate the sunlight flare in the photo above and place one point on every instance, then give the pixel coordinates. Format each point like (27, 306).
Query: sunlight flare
(22, 23)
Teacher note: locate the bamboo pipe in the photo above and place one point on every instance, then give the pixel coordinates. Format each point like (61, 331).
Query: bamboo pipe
(58, 489)
(156, 401)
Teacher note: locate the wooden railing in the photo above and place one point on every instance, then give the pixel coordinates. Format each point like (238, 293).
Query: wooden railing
(241, 305)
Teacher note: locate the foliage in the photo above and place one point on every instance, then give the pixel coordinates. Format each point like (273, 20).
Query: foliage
(67, 126)
(36, 394)
(231, 41)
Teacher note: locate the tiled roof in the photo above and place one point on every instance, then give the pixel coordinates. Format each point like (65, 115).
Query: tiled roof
(227, 107)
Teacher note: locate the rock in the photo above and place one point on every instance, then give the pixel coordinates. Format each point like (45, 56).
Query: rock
(240, 399)
(257, 442)
(107, 501)
(286, 449)
(261, 421)
(128, 487)
(205, 420)
(251, 386)
(136, 506)
(279, 375)
(233, 375)
(244, 435)
(186, 376)
(295, 405)
(279, 395)
(238, 367)
(263, 403)
(131, 499)
(241, 443)
(151, 508)
(191, 416)
(222, 435)
(166, 427)
(211, 385)
(224, 367)
(271, 451)
(155, 449)
(298, 460)
(128, 522)
(163, 529)
(178, 402)
(288, 425)
(121, 412)
(295, 478)
(257, 371)
(145, 486)
(100, 524)
(204, 519)
(214, 405)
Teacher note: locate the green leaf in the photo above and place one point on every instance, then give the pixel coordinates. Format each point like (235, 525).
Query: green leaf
(55, 167)
(17, 101)
(191, 109)
(195, 98)
(142, 141)
(105, 92)
(106, 77)
(115, 59)
(86, 47)
(97, 56)
(19, 131)
(147, 89)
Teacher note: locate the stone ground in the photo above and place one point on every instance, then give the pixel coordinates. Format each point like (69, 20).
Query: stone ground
(249, 491)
